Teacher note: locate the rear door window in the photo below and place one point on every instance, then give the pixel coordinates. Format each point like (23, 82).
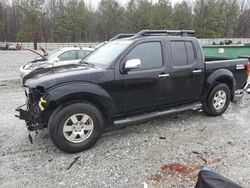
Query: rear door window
(182, 53)
(149, 53)
(190, 52)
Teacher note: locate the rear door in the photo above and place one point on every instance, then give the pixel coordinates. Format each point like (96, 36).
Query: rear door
(141, 88)
(187, 76)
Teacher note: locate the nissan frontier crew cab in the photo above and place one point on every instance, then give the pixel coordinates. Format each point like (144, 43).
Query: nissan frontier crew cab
(127, 80)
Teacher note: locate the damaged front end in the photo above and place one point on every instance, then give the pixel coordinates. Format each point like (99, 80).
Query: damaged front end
(34, 111)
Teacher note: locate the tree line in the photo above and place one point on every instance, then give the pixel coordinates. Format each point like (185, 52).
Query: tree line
(76, 21)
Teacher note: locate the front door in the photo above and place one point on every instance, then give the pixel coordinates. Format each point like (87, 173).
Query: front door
(142, 88)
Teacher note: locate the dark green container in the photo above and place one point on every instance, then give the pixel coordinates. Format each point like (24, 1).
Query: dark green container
(226, 51)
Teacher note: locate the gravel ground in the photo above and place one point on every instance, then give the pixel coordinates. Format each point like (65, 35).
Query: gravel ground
(11, 61)
(124, 157)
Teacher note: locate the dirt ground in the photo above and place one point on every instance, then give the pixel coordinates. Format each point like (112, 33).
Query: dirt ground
(166, 152)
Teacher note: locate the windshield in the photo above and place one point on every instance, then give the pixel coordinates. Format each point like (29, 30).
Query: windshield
(54, 54)
(105, 54)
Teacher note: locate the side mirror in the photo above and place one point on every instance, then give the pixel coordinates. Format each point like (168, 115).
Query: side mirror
(56, 60)
(132, 64)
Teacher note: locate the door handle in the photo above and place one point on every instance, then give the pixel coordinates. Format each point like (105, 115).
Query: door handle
(163, 75)
(197, 71)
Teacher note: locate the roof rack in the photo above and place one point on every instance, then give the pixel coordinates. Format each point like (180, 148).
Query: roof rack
(122, 35)
(182, 33)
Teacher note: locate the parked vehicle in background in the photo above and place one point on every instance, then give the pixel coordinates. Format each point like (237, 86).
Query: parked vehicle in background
(150, 74)
(12, 46)
(58, 57)
(4, 46)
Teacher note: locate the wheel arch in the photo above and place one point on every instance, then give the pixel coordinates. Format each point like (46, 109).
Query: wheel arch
(219, 76)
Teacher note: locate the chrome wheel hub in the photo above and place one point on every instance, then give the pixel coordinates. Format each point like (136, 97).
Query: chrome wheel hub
(78, 128)
(219, 100)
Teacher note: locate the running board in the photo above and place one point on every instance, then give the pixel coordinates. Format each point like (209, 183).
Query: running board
(151, 115)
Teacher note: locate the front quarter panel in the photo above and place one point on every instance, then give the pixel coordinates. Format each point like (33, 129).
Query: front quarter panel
(59, 94)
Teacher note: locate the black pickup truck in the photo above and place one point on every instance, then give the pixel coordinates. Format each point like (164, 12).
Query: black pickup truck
(127, 80)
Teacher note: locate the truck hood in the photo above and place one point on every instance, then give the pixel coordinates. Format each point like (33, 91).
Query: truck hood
(53, 76)
(42, 57)
(33, 65)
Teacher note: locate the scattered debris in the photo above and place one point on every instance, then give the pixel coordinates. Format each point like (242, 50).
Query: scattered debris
(75, 160)
(145, 185)
(155, 177)
(203, 129)
(196, 152)
(30, 139)
(162, 137)
(199, 155)
(205, 160)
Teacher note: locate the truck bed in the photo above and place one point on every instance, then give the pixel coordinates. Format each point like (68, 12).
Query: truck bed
(236, 66)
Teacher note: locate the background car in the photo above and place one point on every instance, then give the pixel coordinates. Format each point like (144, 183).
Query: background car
(4, 46)
(12, 46)
(59, 57)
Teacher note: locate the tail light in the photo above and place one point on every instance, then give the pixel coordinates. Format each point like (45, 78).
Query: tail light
(248, 69)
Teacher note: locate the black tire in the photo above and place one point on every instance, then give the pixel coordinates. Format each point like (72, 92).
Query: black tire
(62, 114)
(209, 106)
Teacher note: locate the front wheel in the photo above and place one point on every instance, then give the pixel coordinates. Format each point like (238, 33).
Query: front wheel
(76, 127)
(218, 100)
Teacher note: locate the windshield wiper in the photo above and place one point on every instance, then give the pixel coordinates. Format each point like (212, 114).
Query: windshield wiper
(87, 63)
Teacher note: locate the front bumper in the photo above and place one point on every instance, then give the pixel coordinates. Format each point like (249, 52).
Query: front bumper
(32, 121)
(23, 114)
(34, 118)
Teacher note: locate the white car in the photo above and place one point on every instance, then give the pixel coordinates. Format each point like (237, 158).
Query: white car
(59, 57)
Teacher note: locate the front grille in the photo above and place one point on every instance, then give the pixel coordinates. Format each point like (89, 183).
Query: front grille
(32, 99)
(35, 121)
(33, 96)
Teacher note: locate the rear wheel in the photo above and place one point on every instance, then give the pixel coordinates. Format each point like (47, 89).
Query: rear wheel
(218, 100)
(75, 127)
